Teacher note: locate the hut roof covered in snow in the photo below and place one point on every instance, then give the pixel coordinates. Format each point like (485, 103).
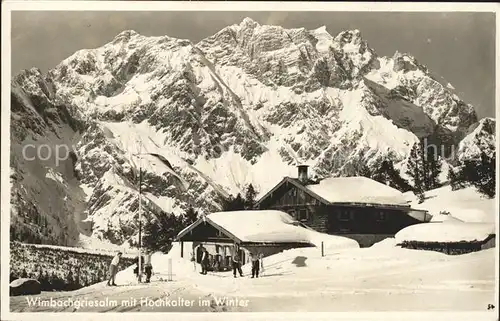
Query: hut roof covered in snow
(446, 232)
(357, 189)
(265, 226)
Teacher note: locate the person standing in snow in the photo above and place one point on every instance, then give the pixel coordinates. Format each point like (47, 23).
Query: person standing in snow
(136, 269)
(261, 259)
(237, 264)
(148, 267)
(204, 261)
(193, 259)
(113, 269)
(217, 262)
(255, 265)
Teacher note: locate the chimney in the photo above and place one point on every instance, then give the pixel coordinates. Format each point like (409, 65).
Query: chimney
(303, 173)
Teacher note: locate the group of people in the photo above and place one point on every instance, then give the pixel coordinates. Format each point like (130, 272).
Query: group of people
(236, 263)
(146, 266)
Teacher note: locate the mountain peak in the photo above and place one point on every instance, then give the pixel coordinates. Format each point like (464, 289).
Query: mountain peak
(353, 36)
(249, 22)
(352, 41)
(488, 124)
(28, 72)
(126, 35)
(321, 29)
(28, 76)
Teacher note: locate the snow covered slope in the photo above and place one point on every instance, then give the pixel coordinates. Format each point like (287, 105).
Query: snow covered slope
(242, 106)
(464, 204)
(480, 139)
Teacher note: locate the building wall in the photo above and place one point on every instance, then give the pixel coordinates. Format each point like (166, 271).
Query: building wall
(490, 243)
(366, 220)
(447, 248)
(206, 233)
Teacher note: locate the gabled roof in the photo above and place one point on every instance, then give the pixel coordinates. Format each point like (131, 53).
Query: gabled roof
(297, 184)
(259, 226)
(355, 191)
(205, 219)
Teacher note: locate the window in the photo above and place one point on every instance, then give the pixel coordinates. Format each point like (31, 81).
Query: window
(302, 214)
(344, 215)
(381, 216)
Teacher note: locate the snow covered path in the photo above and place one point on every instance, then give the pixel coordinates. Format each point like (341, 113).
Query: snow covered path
(372, 279)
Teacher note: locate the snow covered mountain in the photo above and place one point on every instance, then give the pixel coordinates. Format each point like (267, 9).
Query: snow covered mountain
(243, 106)
(480, 139)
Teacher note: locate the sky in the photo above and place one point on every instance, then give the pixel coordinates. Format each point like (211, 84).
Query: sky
(458, 46)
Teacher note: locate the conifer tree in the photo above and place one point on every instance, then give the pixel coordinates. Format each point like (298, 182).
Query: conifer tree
(227, 203)
(415, 168)
(487, 175)
(454, 179)
(424, 166)
(432, 166)
(250, 197)
(364, 170)
(160, 232)
(239, 203)
(233, 203)
(480, 173)
(190, 217)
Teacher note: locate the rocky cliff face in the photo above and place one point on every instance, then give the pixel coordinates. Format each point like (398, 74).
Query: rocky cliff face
(46, 196)
(242, 106)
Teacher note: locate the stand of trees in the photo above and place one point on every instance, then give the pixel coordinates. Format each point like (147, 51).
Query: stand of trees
(60, 270)
(238, 203)
(479, 173)
(161, 230)
(385, 173)
(424, 167)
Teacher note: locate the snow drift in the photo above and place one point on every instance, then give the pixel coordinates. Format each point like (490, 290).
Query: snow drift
(444, 232)
(181, 266)
(465, 204)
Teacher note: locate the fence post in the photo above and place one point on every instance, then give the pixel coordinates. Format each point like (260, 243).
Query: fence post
(322, 250)
(170, 269)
